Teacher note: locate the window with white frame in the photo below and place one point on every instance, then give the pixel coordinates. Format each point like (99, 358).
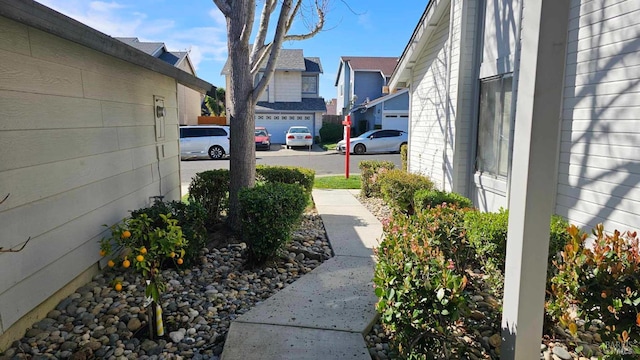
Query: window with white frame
(494, 126)
(309, 84)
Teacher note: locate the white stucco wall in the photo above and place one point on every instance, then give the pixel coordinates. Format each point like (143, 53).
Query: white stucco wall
(599, 171)
(78, 149)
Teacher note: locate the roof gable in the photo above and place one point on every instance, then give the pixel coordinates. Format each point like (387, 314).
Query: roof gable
(288, 60)
(384, 65)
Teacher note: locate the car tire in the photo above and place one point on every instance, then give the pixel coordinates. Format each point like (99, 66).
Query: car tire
(216, 152)
(359, 149)
(288, 147)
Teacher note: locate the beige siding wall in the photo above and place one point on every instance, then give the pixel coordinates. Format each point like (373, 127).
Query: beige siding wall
(288, 86)
(77, 150)
(189, 102)
(428, 107)
(599, 175)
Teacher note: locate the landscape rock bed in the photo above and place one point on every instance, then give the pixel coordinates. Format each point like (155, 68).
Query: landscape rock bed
(98, 322)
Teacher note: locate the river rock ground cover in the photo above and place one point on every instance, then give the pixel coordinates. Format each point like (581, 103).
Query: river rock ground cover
(98, 322)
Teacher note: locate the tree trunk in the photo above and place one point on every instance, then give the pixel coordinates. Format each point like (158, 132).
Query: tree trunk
(242, 166)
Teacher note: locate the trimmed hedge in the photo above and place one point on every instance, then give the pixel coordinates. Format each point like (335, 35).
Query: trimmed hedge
(399, 187)
(211, 189)
(287, 175)
(431, 198)
(269, 213)
(330, 132)
(369, 173)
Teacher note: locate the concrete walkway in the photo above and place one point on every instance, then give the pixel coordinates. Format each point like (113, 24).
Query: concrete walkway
(326, 313)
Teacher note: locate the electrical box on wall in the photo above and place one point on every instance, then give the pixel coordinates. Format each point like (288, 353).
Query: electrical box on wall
(159, 114)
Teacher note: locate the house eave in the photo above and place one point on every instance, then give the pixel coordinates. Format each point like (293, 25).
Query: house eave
(421, 34)
(43, 18)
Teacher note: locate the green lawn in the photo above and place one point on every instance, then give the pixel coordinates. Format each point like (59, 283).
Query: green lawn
(329, 146)
(337, 182)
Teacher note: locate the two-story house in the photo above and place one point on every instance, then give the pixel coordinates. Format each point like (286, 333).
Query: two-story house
(189, 101)
(291, 97)
(362, 92)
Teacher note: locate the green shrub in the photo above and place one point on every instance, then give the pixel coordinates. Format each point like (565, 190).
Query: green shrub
(420, 292)
(211, 190)
(331, 133)
(369, 173)
(603, 281)
(399, 187)
(268, 215)
(431, 198)
(403, 155)
(287, 175)
(190, 217)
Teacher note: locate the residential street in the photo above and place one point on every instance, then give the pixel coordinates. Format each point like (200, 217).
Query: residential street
(323, 162)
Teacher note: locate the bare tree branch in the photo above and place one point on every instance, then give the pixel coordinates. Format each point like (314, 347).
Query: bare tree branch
(224, 6)
(278, 39)
(320, 11)
(246, 32)
(258, 44)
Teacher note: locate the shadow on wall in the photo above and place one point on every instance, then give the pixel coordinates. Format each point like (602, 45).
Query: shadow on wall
(598, 171)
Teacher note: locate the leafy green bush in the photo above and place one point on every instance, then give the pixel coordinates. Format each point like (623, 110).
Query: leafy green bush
(287, 175)
(420, 291)
(190, 217)
(211, 190)
(431, 198)
(331, 133)
(268, 214)
(603, 281)
(369, 173)
(403, 155)
(399, 187)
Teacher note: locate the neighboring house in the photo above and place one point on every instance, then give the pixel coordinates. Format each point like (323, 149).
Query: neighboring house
(331, 107)
(386, 112)
(531, 105)
(88, 132)
(361, 79)
(291, 97)
(189, 100)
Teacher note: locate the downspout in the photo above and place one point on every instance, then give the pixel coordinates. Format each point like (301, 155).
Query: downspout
(448, 96)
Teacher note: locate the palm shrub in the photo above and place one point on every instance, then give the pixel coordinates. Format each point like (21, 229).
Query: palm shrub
(420, 290)
(370, 171)
(269, 213)
(603, 282)
(398, 189)
(211, 190)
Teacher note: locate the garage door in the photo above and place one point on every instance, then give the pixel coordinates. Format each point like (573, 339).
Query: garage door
(279, 124)
(396, 122)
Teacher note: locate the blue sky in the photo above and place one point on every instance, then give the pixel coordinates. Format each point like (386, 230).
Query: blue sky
(371, 28)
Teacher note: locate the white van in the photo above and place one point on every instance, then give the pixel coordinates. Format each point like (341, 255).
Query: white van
(204, 140)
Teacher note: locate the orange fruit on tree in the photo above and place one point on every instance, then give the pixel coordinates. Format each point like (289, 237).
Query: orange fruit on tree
(103, 253)
(110, 263)
(172, 255)
(126, 234)
(118, 287)
(179, 261)
(126, 263)
(140, 258)
(143, 250)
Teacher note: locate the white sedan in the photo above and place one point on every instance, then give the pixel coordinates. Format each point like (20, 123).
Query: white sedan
(298, 136)
(375, 141)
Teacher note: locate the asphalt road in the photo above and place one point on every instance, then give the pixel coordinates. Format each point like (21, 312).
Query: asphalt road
(323, 162)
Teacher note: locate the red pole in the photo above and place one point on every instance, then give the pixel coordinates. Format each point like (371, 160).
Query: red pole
(347, 124)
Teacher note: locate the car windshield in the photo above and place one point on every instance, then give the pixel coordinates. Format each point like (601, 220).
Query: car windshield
(301, 130)
(261, 133)
(367, 134)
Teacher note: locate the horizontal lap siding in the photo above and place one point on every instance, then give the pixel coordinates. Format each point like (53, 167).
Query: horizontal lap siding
(77, 150)
(598, 166)
(428, 106)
